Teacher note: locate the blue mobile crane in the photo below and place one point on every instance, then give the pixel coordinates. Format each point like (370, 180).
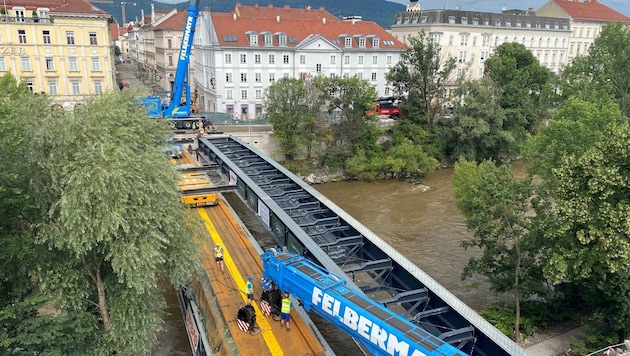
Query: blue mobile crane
(177, 111)
(378, 329)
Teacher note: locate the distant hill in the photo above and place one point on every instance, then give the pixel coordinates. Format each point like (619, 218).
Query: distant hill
(379, 11)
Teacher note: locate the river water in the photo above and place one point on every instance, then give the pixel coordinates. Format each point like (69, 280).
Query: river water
(425, 226)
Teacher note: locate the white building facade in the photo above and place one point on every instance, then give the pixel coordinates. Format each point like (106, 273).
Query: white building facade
(238, 55)
(471, 36)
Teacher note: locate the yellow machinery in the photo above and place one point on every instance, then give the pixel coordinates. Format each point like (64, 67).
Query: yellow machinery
(196, 181)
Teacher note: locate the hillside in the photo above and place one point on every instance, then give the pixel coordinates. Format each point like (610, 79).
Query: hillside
(379, 11)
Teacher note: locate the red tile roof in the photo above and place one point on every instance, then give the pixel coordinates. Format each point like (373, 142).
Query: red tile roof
(296, 23)
(591, 10)
(175, 22)
(113, 28)
(56, 6)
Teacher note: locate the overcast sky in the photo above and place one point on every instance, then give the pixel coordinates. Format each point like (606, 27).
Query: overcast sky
(622, 6)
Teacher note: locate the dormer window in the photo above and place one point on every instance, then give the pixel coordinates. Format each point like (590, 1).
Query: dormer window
(19, 14)
(347, 42)
(362, 42)
(282, 40)
(375, 42)
(267, 38)
(497, 22)
(43, 14)
(451, 19)
(253, 38)
(464, 20)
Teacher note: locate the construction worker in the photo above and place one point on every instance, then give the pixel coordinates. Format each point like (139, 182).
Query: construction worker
(218, 256)
(249, 290)
(285, 312)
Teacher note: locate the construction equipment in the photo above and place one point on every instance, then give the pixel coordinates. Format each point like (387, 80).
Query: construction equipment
(375, 327)
(176, 110)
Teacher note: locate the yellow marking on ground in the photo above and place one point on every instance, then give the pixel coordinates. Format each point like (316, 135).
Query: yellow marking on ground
(268, 336)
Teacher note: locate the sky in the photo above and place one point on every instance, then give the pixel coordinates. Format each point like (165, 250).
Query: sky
(622, 6)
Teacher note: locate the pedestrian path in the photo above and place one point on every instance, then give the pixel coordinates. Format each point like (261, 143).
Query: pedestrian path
(556, 345)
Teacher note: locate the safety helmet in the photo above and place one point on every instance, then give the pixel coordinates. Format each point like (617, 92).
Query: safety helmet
(251, 278)
(217, 244)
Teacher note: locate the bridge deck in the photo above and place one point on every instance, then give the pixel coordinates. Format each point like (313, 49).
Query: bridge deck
(227, 292)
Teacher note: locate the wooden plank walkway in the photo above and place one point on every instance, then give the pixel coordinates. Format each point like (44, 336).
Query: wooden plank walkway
(241, 261)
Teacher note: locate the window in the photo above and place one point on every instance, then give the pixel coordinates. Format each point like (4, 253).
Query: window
(373, 76)
(360, 76)
(578, 48)
(3, 65)
(46, 36)
(257, 58)
(22, 36)
(93, 41)
(318, 68)
(389, 59)
(272, 77)
(451, 19)
(228, 94)
(285, 59)
(228, 58)
(243, 58)
(96, 64)
(26, 63)
(464, 20)
(346, 59)
(485, 40)
(362, 42)
(375, 42)
(29, 84)
(19, 14)
(518, 23)
(243, 77)
(98, 87)
(347, 42)
(302, 59)
(70, 37)
(435, 37)
(463, 39)
(272, 59)
(170, 61)
(76, 87)
(497, 22)
(268, 40)
(483, 55)
(480, 73)
(52, 87)
(360, 59)
(228, 77)
(169, 43)
(508, 23)
(333, 59)
(50, 63)
(474, 41)
(282, 40)
(258, 77)
(461, 58)
(73, 64)
(374, 59)
(258, 94)
(450, 40)
(253, 40)
(244, 94)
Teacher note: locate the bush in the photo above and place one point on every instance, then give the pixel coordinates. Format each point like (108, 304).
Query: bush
(536, 316)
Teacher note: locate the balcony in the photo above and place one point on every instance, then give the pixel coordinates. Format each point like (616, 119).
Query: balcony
(24, 20)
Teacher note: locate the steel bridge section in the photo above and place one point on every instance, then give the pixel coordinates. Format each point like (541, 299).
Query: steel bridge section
(306, 222)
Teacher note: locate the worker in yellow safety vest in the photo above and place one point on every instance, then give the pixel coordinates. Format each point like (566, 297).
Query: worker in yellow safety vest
(285, 312)
(218, 256)
(249, 290)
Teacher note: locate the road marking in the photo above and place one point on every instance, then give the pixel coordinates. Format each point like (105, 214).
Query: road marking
(267, 333)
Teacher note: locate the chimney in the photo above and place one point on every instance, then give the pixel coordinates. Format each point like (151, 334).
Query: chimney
(277, 18)
(287, 7)
(142, 16)
(324, 20)
(530, 9)
(256, 5)
(152, 13)
(234, 16)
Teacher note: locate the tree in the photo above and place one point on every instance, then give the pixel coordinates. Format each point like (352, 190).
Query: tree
(479, 125)
(420, 77)
(110, 212)
(575, 127)
(604, 73)
(588, 231)
(525, 88)
(495, 205)
(290, 109)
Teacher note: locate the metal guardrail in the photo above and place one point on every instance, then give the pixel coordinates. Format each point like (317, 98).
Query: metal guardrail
(612, 350)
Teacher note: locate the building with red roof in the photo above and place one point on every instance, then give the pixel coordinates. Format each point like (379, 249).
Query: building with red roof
(241, 53)
(587, 19)
(61, 48)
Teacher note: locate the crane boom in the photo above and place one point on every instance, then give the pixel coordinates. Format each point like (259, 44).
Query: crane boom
(380, 330)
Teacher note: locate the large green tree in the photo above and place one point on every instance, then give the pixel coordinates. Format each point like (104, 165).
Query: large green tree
(588, 230)
(478, 127)
(109, 211)
(496, 207)
(603, 74)
(291, 106)
(525, 88)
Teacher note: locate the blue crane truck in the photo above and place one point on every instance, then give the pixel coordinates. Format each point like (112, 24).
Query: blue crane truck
(379, 330)
(178, 111)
